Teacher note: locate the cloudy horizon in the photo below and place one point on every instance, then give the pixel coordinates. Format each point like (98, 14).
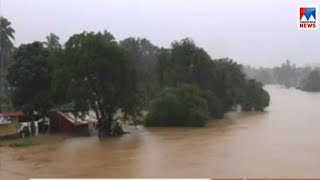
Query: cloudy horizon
(258, 33)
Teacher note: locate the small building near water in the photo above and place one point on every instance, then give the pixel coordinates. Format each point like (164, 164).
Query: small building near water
(67, 123)
(16, 124)
(9, 124)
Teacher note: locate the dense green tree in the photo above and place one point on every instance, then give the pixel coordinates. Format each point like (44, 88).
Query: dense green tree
(178, 106)
(60, 74)
(222, 80)
(255, 97)
(142, 54)
(215, 106)
(6, 101)
(100, 78)
(29, 79)
(186, 63)
(230, 82)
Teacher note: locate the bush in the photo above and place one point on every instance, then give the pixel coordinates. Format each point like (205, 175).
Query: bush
(255, 97)
(263, 100)
(182, 106)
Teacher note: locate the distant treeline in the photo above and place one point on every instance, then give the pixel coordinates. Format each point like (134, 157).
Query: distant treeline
(287, 74)
(179, 86)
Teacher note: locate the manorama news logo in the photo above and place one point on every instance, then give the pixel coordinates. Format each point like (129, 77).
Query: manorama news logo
(308, 18)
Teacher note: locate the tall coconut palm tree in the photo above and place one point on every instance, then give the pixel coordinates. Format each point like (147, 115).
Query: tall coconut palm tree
(6, 47)
(52, 41)
(6, 33)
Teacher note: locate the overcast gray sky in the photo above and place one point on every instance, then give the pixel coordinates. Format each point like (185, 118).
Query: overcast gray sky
(251, 32)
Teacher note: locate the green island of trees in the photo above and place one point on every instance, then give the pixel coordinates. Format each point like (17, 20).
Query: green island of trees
(176, 86)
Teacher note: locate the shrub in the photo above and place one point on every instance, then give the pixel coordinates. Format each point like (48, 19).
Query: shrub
(255, 97)
(182, 106)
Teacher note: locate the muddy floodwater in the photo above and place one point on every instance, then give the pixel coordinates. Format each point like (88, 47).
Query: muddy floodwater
(284, 141)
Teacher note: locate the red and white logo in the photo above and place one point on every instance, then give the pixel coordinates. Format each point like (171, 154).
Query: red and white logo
(308, 18)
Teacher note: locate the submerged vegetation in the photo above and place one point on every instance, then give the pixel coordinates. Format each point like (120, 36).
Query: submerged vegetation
(178, 86)
(180, 106)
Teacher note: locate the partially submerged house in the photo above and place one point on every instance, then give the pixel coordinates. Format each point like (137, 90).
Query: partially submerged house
(66, 122)
(16, 124)
(10, 124)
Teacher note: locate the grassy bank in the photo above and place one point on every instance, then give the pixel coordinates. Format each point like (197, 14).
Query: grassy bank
(20, 143)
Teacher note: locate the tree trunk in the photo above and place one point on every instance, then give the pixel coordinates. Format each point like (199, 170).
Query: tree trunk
(106, 128)
(32, 127)
(100, 129)
(109, 125)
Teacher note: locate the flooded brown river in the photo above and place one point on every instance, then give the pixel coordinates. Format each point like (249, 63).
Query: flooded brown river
(284, 141)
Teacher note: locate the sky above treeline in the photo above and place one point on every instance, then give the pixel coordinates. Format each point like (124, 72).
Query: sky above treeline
(258, 33)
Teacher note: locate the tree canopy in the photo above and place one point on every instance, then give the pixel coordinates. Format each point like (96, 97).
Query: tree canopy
(118, 80)
(221, 82)
(178, 106)
(255, 97)
(99, 77)
(29, 78)
(142, 56)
